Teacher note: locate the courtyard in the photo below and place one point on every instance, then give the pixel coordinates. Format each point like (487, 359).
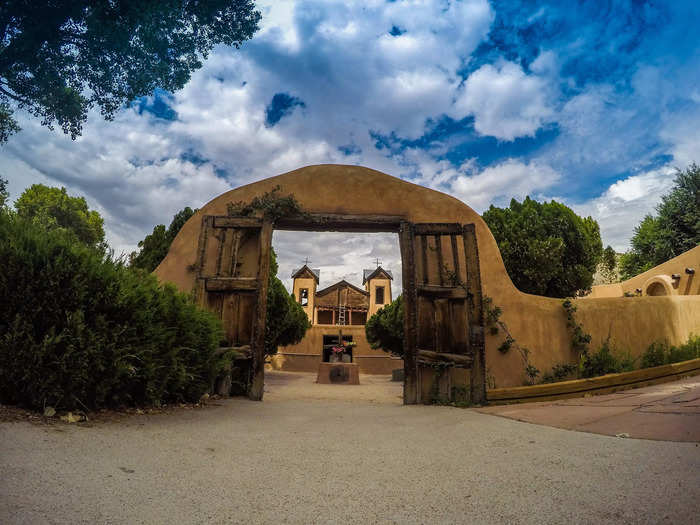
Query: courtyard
(338, 454)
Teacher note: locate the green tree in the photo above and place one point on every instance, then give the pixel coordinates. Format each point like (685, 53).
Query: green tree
(154, 247)
(674, 230)
(58, 59)
(547, 249)
(287, 322)
(4, 194)
(384, 329)
(53, 208)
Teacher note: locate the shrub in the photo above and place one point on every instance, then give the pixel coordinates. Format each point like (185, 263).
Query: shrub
(78, 328)
(686, 351)
(559, 373)
(660, 353)
(655, 355)
(604, 361)
(385, 328)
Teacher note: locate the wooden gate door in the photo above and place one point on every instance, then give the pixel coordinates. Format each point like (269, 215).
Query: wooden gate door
(443, 311)
(233, 265)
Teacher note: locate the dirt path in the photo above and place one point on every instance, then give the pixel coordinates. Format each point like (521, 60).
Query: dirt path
(289, 460)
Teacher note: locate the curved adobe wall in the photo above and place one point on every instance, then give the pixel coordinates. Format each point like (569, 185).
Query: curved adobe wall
(537, 323)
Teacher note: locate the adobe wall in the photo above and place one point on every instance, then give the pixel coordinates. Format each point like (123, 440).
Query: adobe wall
(688, 284)
(537, 323)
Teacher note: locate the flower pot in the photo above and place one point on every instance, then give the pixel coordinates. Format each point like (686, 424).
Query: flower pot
(347, 358)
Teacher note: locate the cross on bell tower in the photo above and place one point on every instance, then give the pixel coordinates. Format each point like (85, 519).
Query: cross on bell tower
(377, 262)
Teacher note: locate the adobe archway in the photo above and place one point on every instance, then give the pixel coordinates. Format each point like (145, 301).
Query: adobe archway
(361, 199)
(659, 285)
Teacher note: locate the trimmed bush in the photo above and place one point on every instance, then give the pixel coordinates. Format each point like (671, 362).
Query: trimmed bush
(78, 328)
(661, 354)
(604, 361)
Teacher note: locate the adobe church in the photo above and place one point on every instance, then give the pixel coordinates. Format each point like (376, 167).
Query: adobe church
(338, 310)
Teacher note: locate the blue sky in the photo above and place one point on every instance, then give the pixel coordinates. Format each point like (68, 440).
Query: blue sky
(593, 103)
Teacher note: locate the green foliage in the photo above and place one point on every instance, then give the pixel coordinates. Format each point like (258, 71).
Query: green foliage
(609, 259)
(493, 315)
(655, 355)
(560, 372)
(547, 249)
(506, 344)
(604, 361)
(675, 228)
(54, 209)
(154, 248)
(384, 329)
(660, 353)
(58, 59)
(531, 372)
(4, 194)
(79, 328)
(287, 321)
(270, 205)
(579, 339)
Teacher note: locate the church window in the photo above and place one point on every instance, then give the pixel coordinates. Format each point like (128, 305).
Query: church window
(304, 296)
(379, 298)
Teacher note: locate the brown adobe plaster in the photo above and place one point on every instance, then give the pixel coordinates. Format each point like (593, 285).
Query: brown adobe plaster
(537, 323)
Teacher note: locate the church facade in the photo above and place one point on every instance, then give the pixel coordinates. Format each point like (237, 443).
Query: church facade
(338, 312)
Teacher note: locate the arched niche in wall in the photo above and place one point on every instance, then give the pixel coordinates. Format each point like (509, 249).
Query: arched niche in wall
(659, 285)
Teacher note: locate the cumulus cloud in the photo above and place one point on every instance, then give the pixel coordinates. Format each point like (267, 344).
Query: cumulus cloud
(621, 207)
(330, 81)
(506, 103)
(498, 184)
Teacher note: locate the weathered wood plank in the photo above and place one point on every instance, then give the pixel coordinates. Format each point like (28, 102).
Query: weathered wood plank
(438, 228)
(455, 257)
(458, 360)
(340, 222)
(231, 284)
(441, 261)
(447, 292)
(235, 244)
(257, 380)
(408, 270)
(224, 221)
(219, 256)
(424, 258)
(477, 344)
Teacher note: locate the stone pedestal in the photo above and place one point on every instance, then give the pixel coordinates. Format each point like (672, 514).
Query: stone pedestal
(338, 374)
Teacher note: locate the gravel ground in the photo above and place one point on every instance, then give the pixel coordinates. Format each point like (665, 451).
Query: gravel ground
(338, 460)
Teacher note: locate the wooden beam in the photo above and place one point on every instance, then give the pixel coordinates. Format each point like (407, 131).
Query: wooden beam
(447, 292)
(410, 322)
(477, 344)
(437, 228)
(458, 360)
(323, 222)
(257, 368)
(237, 222)
(231, 284)
(441, 261)
(455, 257)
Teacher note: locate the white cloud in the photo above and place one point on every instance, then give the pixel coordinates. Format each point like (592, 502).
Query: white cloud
(621, 207)
(505, 102)
(498, 184)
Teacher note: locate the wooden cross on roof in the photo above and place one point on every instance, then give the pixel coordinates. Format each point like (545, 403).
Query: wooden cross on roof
(306, 261)
(377, 262)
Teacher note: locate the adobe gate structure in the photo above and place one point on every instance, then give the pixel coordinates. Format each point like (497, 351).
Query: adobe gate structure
(443, 319)
(451, 265)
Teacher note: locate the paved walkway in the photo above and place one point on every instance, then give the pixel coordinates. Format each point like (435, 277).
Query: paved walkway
(670, 411)
(339, 460)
